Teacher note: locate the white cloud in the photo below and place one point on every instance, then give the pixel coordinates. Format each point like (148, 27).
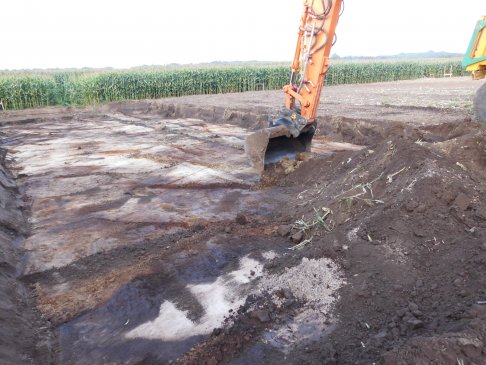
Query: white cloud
(125, 33)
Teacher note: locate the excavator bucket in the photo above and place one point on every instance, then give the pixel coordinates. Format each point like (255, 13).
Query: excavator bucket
(271, 145)
(290, 132)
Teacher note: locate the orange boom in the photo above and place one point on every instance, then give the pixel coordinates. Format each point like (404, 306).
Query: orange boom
(291, 130)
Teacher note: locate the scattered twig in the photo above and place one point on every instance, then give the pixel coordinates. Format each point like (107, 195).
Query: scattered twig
(300, 195)
(363, 186)
(302, 226)
(392, 147)
(461, 166)
(353, 170)
(301, 245)
(321, 219)
(390, 177)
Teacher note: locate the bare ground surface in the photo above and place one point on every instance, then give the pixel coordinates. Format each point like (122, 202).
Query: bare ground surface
(136, 233)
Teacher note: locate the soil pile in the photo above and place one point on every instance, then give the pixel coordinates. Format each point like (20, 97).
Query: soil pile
(406, 218)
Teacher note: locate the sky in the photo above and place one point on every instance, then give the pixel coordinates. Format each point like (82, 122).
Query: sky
(128, 33)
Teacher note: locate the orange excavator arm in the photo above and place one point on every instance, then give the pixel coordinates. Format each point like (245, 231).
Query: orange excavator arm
(290, 132)
(311, 60)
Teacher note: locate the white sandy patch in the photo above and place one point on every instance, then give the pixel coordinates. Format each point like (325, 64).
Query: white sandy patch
(217, 298)
(130, 128)
(352, 235)
(185, 173)
(308, 325)
(315, 281)
(244, 274)
(269, 255)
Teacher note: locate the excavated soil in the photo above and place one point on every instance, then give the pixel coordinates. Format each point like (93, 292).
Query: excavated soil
(137, 233)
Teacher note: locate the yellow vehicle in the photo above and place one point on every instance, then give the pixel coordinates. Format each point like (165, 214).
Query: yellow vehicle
(475, 61)
(475, 57)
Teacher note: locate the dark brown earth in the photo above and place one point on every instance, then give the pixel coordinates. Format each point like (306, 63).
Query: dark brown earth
(400, 212)
(411, 214)
(23, 334)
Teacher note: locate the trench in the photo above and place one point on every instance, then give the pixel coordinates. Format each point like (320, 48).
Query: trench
(146, 228)
(136, 233)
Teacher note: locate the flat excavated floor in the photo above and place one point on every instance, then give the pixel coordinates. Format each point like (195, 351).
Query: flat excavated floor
(103, 182)
(104, 185)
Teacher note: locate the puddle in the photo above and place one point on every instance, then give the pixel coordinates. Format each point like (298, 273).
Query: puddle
(163, 315)
(217, 299)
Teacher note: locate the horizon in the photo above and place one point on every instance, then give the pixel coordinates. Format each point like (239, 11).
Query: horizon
(395, 57)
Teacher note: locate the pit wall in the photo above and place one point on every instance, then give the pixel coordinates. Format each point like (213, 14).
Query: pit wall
(18, 335)
(251, 118)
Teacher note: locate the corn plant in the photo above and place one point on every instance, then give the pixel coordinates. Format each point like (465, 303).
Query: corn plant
(31, 89)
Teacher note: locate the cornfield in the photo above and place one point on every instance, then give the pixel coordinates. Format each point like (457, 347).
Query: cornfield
(20, 90)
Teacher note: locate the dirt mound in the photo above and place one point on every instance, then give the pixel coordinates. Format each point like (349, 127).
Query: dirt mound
(406, 219)
(242, 329)
(462, 347)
